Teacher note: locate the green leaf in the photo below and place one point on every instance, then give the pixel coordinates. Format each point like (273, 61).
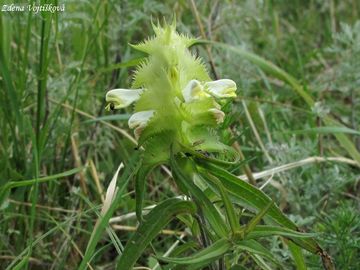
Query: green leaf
(266, 231)
(211, 213)
(254, 247)
(255, 220)
(305, 240)
(153, 223)
(140, 184)
(246, 194)
(249, 196)
(298, 256)
(229, 208)
(184, 247)
(206, 256)
(260, 262)
(218, 147)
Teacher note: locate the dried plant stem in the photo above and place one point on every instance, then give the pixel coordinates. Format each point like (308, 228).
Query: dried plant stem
(78, 164)
(56, 209)
(256, 133)
(95, 176)
(300, 163)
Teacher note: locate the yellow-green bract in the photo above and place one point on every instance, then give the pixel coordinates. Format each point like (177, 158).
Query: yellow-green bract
(175, 101)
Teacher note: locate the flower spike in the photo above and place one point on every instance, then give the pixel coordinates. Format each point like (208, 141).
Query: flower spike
(175, 99)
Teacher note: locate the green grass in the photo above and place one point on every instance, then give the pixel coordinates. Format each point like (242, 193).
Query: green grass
(296, 64)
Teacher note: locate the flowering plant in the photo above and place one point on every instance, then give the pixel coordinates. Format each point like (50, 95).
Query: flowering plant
(177, 113)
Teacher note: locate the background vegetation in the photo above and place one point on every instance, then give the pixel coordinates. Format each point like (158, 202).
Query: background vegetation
(56, 68)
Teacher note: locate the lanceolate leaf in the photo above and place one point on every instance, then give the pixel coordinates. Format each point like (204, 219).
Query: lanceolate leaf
(255, 220)
(266, 230)
(249, 196)
(140, 183)
(206, 255)
(153, 223)
(253, 246)
(260, 262)
(229, 208)
(211, 213)
(304, 240)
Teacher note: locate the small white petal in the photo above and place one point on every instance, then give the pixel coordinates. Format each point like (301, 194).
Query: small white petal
(193, 91)
(221, 88)
(140, 118)
(219, 115)
(121, 98)
(139, 121)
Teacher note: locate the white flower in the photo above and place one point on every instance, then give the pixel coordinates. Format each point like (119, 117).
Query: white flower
(121, 98)
(221, 88)
(139, 121)
(193, 91)
(218, 114)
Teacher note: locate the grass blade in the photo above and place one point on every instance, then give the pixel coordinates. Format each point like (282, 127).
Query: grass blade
(13, 184)
(102, 222)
